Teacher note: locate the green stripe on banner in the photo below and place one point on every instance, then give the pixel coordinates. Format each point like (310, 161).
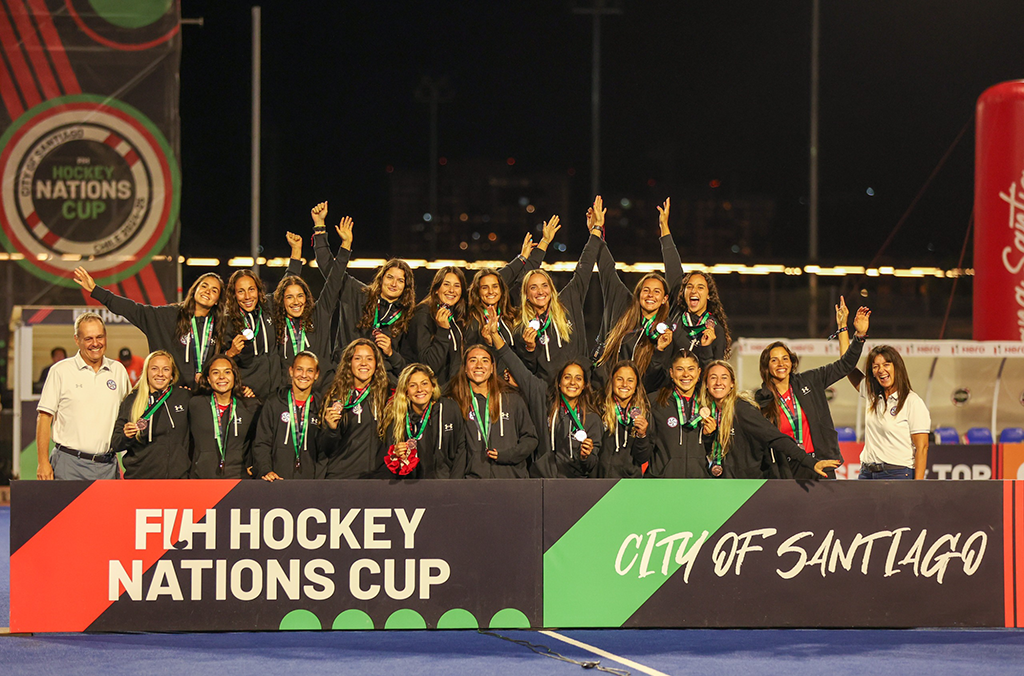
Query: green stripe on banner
(627, 545)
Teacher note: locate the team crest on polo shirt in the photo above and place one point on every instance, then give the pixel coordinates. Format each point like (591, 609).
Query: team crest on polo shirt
(672, 422)
(285, 417)
(111, 384)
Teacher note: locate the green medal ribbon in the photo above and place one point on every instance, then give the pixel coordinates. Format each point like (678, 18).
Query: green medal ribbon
(377, 323)
(622, 416)
(353, 400)
(795, 417)
(296, 336)
(693, 328)
(218, 429)
(716, 445)
(572, 414)
(201, 345)
(684, 420)
(649, 327)
(254, 321)
(298, 437)
(152, 409)
(547, 322)
(483, 421)
(423, 424)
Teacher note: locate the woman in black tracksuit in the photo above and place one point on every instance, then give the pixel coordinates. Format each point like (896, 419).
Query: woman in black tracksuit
(287, 442)
(500, 436)
(152, 424)
(221, 423)
(626, 444)
(249, 332)
(379, 311)
(567, 422)
(681, 442)
(437, 329)
(187, 330)
(422, 431)
(744, 443)
(551, 329)
(351, 443)
(795, 401)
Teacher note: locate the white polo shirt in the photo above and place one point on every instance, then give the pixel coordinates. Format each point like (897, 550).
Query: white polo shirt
(84, 403)
(887, 435)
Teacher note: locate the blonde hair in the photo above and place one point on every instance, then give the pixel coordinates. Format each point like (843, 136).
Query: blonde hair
(142, 390)
(556, 311)
(398, 407)
(639, 398)
(727, 406)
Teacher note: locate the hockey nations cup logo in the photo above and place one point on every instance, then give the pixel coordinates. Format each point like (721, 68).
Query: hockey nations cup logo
(86, 181)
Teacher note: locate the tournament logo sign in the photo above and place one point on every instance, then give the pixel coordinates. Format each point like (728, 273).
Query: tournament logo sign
(127, 25)
(87, 181)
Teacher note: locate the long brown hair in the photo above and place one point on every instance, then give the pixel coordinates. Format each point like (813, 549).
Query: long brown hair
(344, 381)
(406, 301)
(432, 300)
(628, 321)
(476, 304)
(901, 379)
(715, 308)
(395, 411)
(187, 309)
(639, 398)
(281, 315)
(461, 391)
(586, 400)
(234, 322)
(769, 410)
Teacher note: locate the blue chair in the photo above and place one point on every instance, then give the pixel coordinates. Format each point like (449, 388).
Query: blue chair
(979, 435)
(1012, 435)
(947, 435)
(846, 433)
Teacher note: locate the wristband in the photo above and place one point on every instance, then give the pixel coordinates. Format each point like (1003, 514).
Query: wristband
(842, 329)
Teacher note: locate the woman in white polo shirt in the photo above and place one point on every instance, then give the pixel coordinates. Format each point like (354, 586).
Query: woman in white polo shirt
(896, 421)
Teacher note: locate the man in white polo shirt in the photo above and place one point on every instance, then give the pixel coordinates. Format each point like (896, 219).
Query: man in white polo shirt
(78, 406)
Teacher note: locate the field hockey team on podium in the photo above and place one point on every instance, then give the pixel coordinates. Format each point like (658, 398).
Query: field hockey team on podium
(470, 383)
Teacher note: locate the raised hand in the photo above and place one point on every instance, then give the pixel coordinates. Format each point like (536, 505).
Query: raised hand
(295, 242)
(664, 341)
(599, 212)
(842, 313)
(319, 214)
(527, 246)
(708, 336)
(548, 233)
(84, 279)
(663, 216)
(860, 321)
(344, 230)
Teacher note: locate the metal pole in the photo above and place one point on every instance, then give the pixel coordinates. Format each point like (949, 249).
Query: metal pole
(435, 229)
(595, 109)
(256, 68)
(812, 200)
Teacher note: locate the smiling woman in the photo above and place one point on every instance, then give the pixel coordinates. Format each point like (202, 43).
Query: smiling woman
(187, 330)
(221, 423)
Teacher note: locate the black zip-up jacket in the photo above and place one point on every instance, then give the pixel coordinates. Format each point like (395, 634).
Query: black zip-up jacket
(161, 450)
(809, 388)
(427, 343)
(351, 302)
(622, 454)
(273, 449)
(441, 450)
(159, 323)
(546, 360)
(353, 450)
(320, 340)
(512, 274)
(680, 452)
(238, 436)
(558, 453)
(680, 337)
(513, 435)
(750, 454)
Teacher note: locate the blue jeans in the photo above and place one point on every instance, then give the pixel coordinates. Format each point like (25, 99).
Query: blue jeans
(904, 473)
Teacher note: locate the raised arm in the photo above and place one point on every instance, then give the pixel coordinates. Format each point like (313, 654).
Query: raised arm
(669, 252)
(295, 260)
(138, 314)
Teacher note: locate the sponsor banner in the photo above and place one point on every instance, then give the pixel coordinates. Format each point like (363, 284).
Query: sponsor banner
(850, 450)
(907, 348)
(962, 461)
(230, 555)
(1011, 459)
(89, 145)
(707, 553)
(999, 213)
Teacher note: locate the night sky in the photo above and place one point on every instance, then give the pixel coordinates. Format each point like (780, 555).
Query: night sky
(691, 92)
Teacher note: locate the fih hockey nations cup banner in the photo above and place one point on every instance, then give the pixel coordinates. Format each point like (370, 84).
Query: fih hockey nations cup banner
(89, 146)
